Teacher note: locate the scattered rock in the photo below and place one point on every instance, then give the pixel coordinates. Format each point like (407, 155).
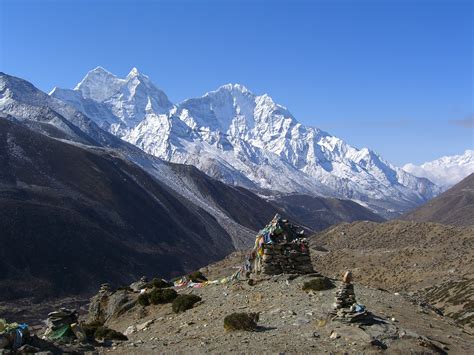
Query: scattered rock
(143, 325)
(301, 321)
(130, 330)
(139, 285)
(334, 335)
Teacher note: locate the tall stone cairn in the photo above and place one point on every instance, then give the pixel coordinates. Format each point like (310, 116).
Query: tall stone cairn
(286, 258)
(345, 296)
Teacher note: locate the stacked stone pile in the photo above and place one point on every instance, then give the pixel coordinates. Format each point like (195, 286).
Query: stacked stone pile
(288, 258)
(281, 248)
(64, 324)
(345, 296)
(346, 308)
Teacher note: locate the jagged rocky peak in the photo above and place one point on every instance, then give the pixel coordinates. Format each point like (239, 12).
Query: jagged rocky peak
(99, 84)
(134, 72)
(235, 110)
(116, 104)
(233, 88)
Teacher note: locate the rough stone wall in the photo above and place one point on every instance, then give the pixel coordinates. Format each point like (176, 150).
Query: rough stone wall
(287, 258)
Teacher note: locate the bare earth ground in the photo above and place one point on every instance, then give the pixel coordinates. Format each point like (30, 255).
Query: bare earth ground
(291, 320)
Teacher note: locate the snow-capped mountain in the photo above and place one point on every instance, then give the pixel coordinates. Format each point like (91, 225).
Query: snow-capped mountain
(445, 171)
(244, 139)
(116, 104)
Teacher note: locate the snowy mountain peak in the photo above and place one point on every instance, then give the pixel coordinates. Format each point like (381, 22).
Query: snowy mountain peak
(445, 171)
(233, 88)
(99, 84)
(134, 72)
(13, 88)
(117, 105)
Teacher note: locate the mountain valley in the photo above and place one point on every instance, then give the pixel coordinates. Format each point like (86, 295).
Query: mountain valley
(111, 181)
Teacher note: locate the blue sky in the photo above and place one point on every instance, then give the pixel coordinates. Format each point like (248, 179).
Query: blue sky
(395, 76)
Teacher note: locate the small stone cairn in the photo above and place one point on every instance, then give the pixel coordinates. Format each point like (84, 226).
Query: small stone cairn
(104, 288)
(281, 248)
(345, 296)
(64, 324)
(346, 307)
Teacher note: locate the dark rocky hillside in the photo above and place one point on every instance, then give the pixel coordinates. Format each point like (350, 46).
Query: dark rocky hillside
(71, 218)
(455, 206)
(242, 205)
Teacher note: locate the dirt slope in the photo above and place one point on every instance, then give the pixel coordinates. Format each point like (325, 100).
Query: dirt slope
(455, 206)
(410, 257)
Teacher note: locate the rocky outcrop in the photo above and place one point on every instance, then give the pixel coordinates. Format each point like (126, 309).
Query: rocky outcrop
(107, 304)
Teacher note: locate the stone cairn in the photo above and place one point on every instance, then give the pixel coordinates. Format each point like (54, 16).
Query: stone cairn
(346, 307)
(104, 288)
(281, 248)
(287, 258)
(64, 323)
(345, 296)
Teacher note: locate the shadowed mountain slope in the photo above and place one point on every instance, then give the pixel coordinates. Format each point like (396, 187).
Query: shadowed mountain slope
(67, 227)
(240, 204)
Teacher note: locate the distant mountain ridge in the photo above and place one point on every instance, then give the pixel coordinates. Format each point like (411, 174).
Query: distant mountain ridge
(244, 139)
(445, 171)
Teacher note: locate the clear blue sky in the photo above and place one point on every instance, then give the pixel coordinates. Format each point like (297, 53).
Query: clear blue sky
(395, 76)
